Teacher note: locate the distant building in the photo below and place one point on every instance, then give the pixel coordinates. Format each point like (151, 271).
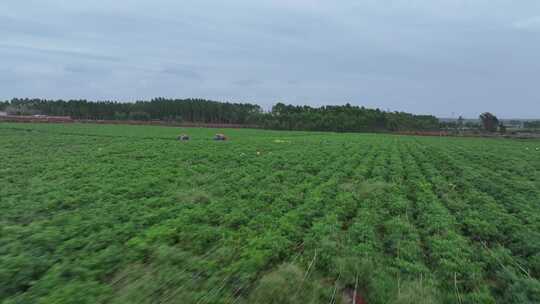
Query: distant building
(3, 113)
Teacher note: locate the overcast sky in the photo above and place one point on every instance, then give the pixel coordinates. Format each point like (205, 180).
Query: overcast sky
(444, 57)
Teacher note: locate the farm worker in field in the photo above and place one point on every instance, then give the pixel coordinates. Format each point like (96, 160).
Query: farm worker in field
(220, 136)
(183, 137)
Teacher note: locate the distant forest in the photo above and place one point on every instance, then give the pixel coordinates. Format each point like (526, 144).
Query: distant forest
(344, 118)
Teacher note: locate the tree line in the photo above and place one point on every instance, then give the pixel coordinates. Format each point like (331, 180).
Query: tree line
(532, 124)
(346, 118)
(342, 118)
(179, 110)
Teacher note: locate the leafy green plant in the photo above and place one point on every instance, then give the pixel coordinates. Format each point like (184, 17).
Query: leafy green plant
(115, 214)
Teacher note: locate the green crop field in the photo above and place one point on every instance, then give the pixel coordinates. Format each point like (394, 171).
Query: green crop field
(127, 214)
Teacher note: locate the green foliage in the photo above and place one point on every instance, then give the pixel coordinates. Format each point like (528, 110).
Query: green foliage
(287, 285)
(345, 118)
(127, 214)
(489, 122)
(519, 289)
(417, 293)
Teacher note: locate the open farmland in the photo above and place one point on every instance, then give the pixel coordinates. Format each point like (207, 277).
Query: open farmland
(127, 214)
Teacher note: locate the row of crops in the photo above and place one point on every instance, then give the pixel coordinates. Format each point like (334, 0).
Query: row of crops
(126, 214)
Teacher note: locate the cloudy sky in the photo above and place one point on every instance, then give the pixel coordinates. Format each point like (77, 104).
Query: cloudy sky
(444, 57)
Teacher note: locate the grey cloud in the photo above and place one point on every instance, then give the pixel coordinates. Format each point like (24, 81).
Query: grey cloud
(250, 82)
(532, 24)
(86, 70)
(421, 56)
(47, 51)
(21, 26)
(182, 72)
